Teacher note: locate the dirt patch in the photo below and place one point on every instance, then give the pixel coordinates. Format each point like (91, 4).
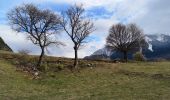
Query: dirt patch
(142, 74)
(160, 76)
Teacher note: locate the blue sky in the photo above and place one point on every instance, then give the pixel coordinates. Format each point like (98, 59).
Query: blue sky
(153, 16)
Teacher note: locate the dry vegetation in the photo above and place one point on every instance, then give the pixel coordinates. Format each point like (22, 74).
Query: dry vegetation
(100, 80)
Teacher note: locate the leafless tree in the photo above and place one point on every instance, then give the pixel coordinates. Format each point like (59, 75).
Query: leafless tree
(77, 26)
(24, 51)
(40, 26)
(125, 38)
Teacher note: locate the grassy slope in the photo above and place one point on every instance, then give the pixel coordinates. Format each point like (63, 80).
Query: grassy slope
(132, 81)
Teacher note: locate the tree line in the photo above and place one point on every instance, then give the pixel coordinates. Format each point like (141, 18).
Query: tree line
(41, 27)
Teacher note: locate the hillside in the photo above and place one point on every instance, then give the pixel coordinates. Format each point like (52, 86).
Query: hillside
(105, 81)
(4, 46)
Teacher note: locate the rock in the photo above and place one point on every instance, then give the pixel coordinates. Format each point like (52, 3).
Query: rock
(36, 73)
(89, 65)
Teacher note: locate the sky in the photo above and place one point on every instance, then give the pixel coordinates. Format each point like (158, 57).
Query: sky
(153, 16)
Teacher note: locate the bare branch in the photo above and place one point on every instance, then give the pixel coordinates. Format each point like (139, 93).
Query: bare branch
(77, 26)
(125, 38)
(39, 25)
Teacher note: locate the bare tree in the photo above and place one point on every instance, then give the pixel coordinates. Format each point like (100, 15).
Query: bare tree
(125, 38)
(40, 26)
(77, 26)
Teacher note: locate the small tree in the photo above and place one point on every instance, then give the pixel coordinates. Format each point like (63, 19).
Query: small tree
(39, 25)
(125, 38)
(138, 56)
(24, 52)
(77, 26)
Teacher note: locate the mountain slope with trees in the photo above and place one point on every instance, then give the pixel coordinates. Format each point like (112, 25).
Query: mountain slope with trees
(159, 48)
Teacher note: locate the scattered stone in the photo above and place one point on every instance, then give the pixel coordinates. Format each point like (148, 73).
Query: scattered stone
(36, 73)
(89, 65)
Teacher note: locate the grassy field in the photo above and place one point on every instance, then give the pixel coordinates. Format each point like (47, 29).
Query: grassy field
(106, 81)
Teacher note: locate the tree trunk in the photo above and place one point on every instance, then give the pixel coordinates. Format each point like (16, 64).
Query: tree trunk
(40, 58)
(125, 56)
(76, 57)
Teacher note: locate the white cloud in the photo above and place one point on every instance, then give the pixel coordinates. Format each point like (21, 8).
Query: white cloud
(87, 3)
(150, 15)
(17, 41)
(156, 18)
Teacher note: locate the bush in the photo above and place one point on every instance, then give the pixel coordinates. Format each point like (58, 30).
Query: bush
(23, 60)
(60, 66)
(44, 67)
(54, 67)
(24, 52)
(138, 56)
(26, 62)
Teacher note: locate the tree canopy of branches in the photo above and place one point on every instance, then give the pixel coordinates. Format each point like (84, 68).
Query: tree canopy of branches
(125, 38)
(40, 26)
(77, 26)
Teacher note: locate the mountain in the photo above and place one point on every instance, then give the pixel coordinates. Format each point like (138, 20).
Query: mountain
(158, 47)
(100, 54)
(4, 46)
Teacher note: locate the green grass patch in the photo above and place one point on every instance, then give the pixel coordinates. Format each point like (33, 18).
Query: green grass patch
(106, 81)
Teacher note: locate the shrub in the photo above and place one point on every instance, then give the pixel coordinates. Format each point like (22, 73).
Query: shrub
(56, 67)
(23, 60)
(138, 56)
(24, 52)
(26, 62)
(44, 67)
(60, 66)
